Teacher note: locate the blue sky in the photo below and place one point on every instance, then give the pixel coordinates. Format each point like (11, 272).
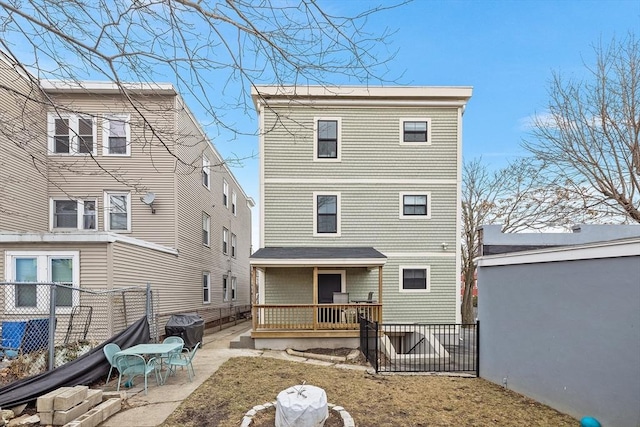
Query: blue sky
(506, 50)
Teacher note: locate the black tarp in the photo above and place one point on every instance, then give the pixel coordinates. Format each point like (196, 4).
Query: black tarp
(85, 370)
(188, 326)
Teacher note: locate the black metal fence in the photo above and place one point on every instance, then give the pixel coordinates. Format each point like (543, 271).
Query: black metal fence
(369, 341)
(447, 347)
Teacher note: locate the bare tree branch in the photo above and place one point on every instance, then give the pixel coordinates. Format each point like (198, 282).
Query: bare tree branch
(590, 140)
(212, 52)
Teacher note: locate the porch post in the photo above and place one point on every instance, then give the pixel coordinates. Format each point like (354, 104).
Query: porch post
(380, 292)
(254, 310)
(315, 298)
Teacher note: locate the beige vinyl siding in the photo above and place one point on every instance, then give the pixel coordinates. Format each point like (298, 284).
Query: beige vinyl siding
(370, 144)
(149, 168)
(369, 217)
(23, 183)
(192, 200)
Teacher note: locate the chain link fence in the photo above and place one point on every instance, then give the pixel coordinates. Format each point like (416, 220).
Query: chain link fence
(45, 325)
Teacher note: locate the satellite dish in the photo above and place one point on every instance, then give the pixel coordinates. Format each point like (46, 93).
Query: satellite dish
(148, 199)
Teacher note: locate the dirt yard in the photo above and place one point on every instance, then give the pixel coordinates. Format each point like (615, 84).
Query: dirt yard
(372, 400)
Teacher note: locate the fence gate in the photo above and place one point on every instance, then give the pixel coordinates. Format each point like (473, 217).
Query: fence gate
(445, 347)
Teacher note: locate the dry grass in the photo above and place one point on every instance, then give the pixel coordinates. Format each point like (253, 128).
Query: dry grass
(372, 400)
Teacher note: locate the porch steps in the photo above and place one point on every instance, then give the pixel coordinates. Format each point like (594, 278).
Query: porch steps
(243, 340)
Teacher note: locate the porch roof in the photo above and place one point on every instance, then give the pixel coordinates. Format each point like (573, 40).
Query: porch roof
(315, 256)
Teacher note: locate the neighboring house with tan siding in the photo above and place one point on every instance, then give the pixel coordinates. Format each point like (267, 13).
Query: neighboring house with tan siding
(128, 192)
(359, 215)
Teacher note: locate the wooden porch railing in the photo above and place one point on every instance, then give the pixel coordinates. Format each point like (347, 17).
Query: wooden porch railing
(313, 316)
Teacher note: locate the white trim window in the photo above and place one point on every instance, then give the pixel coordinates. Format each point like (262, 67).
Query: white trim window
(225, 288)
(206, 229)
(234, 288)
(116, 135)
(71, 134)
(415, 131)
(326, 214)
(206, 173)
(206, 287)
(234, 203)
(327, 139)
(415, 278)
(234, 241)
(35, 267)
(225, 193)
(117, 211)
(415, 205)
(73, 214)
(225, 240)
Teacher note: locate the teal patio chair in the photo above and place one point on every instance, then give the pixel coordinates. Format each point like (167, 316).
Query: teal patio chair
(133, 365)
(110, 351)
(171, 340)
(182, 360)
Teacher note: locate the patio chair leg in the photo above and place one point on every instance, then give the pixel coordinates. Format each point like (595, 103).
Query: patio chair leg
(109, 376)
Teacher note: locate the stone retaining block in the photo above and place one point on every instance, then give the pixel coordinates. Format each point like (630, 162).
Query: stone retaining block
(45, 402)
(63, 417)
(70, 398)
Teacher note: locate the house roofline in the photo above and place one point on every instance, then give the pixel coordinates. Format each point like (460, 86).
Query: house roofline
(454, 96)
(82, 237)
(62, 86)
(609, 249)
(316, 262)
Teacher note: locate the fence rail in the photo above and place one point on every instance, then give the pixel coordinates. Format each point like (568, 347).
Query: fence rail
(447, 347)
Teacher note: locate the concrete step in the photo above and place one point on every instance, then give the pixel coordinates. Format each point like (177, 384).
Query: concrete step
(243, 340)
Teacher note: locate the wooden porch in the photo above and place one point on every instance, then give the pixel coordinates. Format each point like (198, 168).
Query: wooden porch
(320, 318)
(326, 320)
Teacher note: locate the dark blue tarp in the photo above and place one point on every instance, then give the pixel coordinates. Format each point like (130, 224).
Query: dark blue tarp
(85, 370)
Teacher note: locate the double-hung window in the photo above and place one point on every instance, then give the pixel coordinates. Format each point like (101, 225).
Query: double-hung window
(225, 193)
(71, 134)
(415, 279)
(327, 139)
(234, 203)
(117, 211)
(76, 214)
(234, 288)
(206, 229)
(225, 288)
(225, 240)
(206, 172)
(415, 131)
(233, 245)
(326, 217)
(29, 269)
(116, 135)
(206, 287)
(415, 205)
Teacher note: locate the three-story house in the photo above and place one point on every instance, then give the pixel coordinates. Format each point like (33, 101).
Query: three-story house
(359, 214)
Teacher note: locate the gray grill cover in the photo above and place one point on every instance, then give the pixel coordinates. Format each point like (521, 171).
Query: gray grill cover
(188, 326)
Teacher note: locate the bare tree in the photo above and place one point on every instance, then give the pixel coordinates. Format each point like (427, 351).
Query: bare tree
(519, 197)
(589, 140)
(213, 52)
